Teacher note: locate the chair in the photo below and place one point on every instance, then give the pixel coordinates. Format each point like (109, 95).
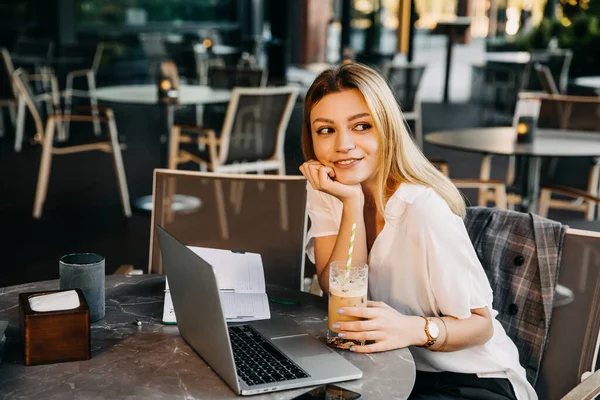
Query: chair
(42, 49)
(50, 148)
(8, 95)
(546, 283)
(91, 56)
(252, 137)
(404, 81)
(558, 63)
(230, 77)
(155, 50)
(573, 113)
(572, 345)
(271, 222)
(546, 80)
(494, 89)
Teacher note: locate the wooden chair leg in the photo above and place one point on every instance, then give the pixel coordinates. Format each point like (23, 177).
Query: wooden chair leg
(174, 147)
(44, 173)
(20, 124)
(484, 175)
(119, 168)
(68, 104)
(544, 202)
(94, 102)
(12, 112)
(500, 197)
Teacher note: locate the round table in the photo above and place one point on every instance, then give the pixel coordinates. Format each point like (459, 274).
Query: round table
(591, 82)
(148, 94)
(152, 361)
(508, 57)
(501, 140)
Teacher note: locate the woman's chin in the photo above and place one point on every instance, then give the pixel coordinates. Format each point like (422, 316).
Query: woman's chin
(347, 180)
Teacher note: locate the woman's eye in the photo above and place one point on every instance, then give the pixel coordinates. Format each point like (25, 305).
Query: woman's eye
(324, 130)
(362, 127)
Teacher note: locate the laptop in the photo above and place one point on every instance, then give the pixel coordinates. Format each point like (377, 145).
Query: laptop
(257, 357)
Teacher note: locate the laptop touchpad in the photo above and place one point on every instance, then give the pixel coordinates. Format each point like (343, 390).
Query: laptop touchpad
(301, 346)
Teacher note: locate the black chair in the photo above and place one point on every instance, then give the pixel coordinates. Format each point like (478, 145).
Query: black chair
(494, 89)
(404, 81)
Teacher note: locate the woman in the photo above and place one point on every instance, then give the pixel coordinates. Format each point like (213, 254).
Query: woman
(432, 293)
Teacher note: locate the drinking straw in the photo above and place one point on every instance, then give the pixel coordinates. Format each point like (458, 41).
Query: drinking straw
(350, 250)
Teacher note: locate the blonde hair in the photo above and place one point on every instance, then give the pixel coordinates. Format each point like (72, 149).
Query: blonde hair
(401, 159)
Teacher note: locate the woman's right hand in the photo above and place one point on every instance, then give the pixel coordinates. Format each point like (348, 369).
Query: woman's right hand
(322, 178)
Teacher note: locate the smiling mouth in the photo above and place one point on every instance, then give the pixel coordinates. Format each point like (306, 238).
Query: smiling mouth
(347, 163)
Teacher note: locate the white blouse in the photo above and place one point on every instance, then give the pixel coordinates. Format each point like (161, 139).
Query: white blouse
(423, 263)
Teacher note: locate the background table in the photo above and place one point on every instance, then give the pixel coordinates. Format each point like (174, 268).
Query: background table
(500, 140)
(148, 94)
(590, 82)
(152, 361)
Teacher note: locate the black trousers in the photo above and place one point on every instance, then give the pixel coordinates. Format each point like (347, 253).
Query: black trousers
(452, 385)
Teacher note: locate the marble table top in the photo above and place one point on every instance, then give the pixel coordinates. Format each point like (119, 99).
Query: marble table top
(152, 361)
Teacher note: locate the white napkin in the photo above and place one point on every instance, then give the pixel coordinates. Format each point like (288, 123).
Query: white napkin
(55, 301)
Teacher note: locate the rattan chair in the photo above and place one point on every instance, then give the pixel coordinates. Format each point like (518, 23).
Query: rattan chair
(50, 147)
(404, 81)
(91, 55)
(252, 137)
(8, 98)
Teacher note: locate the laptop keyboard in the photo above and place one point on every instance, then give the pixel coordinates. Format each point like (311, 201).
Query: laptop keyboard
(257, 361)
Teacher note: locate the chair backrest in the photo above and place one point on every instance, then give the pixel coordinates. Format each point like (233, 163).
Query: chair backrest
(255, 124)
(404, 81)
(264, 214)
(572, 345)
(495, 87)
(89, 53)
(9, 69)
(557, 61)
(230, 77)
(546, 79)
(41, 48)
(24, 90)
(153, 46)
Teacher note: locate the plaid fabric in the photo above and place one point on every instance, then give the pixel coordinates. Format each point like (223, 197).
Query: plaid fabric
(521, 257)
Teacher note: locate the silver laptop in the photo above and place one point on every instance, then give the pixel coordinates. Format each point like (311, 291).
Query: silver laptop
(258, 357)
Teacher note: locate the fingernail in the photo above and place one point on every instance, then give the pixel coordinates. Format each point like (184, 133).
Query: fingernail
(335, 326)
(352, 349)
(340, 311)
(341, 334)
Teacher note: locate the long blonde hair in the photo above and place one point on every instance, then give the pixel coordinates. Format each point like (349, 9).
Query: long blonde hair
(401, 159)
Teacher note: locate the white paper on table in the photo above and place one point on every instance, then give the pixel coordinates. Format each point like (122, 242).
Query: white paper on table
(241, 280)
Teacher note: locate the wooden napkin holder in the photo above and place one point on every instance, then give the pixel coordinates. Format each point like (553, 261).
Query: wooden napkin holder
(54, 336)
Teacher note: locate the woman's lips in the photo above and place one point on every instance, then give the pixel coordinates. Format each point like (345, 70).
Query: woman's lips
(346, 164)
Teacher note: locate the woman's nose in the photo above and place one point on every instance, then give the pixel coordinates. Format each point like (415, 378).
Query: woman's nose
(344, 142)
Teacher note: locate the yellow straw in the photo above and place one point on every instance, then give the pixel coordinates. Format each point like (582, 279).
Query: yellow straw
(350, 250)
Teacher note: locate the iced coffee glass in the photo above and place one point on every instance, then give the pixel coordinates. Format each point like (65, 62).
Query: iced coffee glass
(347, 288)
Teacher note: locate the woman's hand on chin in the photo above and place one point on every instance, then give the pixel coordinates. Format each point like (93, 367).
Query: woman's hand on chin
(322, 178)
(387, 327)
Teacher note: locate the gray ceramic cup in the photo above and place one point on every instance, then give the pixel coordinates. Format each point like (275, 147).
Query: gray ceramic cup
(86, 272)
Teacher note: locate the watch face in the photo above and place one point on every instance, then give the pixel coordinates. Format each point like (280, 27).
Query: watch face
(434, 330)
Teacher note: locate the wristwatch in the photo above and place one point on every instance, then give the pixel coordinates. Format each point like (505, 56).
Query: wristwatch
(432, 330)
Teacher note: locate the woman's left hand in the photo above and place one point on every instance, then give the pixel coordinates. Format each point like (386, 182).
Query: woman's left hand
(383, 324)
